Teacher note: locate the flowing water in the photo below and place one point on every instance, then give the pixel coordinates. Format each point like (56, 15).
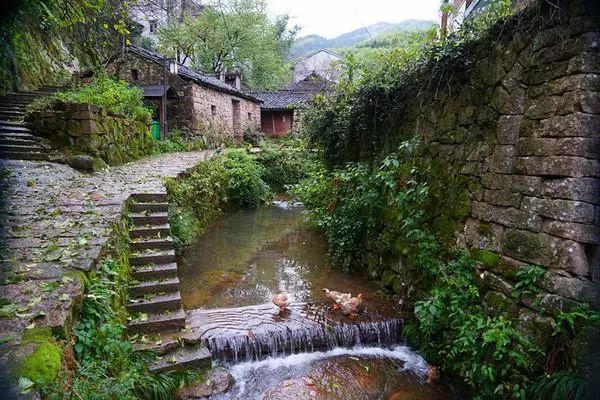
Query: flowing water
(310, 350)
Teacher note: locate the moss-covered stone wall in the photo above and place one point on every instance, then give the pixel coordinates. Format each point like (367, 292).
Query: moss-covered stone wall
(88, 129)
(522, 124)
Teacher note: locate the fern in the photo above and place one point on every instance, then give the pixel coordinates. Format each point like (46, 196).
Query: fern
(564, 385)
(163, 386)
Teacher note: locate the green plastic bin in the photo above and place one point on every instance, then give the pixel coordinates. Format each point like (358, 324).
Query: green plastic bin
(155, 129)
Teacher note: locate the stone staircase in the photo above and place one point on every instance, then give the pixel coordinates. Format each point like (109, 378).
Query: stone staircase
(158, 321)
(16, 141)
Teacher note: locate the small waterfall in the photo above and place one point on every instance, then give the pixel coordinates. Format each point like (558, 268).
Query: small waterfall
(256, 332)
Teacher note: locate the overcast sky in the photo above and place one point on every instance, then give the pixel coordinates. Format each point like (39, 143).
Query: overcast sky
(330, 18)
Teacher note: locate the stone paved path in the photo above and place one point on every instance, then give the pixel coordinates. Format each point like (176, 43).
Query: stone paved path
(54, 221)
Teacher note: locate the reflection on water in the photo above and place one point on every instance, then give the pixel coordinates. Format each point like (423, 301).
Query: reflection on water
(250, 255)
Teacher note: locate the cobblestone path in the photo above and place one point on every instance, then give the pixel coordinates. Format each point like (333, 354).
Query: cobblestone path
(54, 221)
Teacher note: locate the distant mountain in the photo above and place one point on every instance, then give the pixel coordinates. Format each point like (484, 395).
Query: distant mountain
(309, 43)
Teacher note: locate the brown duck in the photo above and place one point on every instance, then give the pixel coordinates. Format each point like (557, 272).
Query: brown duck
(337, 297)
(352, 306)
(281, 300)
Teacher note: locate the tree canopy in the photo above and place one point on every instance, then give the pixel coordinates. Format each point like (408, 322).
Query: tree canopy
(232, 35)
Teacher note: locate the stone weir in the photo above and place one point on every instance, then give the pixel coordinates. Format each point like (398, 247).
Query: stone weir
(259, 331)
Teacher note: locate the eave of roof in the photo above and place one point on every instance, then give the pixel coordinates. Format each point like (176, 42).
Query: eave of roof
(188, 73)
(283, 99)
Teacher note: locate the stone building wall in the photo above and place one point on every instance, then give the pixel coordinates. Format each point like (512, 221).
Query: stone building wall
(213, 111)
(524, 128)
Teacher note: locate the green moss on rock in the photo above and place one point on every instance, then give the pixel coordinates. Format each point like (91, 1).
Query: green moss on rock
(42, 367)
(487, 257)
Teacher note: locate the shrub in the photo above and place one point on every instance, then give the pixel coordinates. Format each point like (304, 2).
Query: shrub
(177, 142)
(114, 95)
(287, 163)
(452, 329)
(381, 209)
(230, 180)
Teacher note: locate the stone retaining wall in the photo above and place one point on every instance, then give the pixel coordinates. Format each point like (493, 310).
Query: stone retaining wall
(88, 129)
(524, 128)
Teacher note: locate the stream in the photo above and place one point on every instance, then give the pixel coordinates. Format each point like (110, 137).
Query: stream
(309, 351)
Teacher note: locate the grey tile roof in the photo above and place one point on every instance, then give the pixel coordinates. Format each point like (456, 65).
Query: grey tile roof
(188, 73)
(283, 99)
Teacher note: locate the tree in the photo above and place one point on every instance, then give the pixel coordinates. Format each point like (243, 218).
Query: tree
(232, 35)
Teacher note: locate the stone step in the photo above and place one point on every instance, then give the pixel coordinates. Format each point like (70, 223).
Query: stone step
(152, 257)
(20, 108)
(162, 342)
(162, 230)
(157, 286)
(149, 197)
(153, 243)
(159, 303)
(16, 131)
(10, 127)
(156, 322)
(18, 136)
(143, 218)
(31, 147)
(12, 141)
(159, 271)
(24, 156)
(152, 207)
(189, 357)
(11, 124)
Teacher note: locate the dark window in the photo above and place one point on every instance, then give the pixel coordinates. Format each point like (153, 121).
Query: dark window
(135, 75)
(249, 116)
(153, 25)
(213, 110)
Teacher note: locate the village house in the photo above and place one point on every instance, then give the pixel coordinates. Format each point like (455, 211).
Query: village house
(323, 63)
(281, 110)
(197, 104)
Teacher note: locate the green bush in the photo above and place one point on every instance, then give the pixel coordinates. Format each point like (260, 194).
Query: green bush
(452, 329)
(287, 163)
(244, 185)
(177, 142)
(382, 210)
(230, 180)
(114, 95)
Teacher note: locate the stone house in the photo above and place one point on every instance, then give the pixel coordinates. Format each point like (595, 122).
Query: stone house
(323, 63)
(197, 104)
(281, 110)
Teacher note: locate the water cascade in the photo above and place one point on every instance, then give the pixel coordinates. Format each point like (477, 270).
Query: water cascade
(255, 332)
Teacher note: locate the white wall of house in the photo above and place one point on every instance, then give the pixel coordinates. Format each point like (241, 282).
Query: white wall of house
(322, 62)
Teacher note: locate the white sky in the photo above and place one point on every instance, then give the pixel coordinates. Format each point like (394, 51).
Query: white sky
(331, 18)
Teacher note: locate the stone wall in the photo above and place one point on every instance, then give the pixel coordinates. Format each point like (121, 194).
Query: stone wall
(523, 126)
(212, 111)
(88, 129)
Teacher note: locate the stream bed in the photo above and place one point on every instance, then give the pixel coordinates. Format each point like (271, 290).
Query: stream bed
(309, 351)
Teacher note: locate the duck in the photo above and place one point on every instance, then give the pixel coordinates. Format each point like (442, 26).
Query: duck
(352, 306)
(337, 297)
(433, 374)
(281, 300)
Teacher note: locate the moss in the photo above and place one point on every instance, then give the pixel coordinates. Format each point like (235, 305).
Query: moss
(388, 278)
(43, 366)
(37, 335)
(487, 257)
(484, 229)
